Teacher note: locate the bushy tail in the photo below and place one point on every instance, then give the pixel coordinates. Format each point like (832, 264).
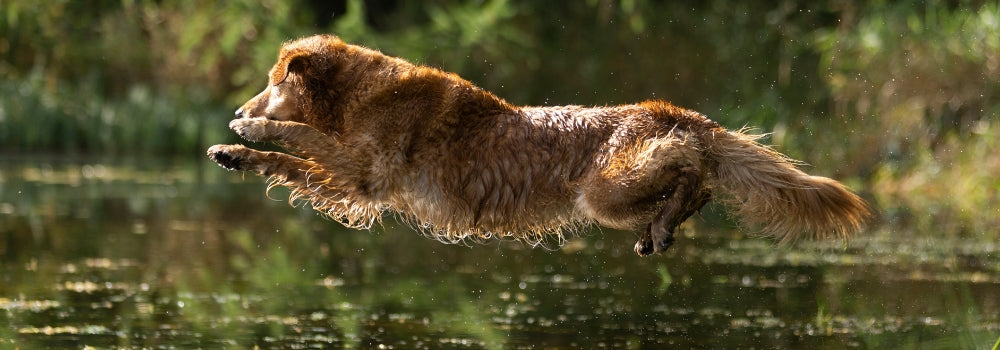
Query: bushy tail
(767, 191)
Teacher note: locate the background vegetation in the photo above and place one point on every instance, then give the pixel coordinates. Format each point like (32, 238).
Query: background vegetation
(898, 98)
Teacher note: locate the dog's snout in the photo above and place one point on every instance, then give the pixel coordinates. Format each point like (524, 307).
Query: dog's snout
(239, 113)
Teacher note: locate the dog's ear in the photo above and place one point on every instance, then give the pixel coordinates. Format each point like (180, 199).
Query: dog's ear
(296, 61)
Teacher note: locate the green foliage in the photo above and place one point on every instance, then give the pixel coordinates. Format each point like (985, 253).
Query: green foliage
(953, 188)
(132, 76)
(914, 73)
(142, 121)
(915, 90)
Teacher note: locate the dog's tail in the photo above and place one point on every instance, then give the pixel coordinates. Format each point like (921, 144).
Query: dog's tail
(767, 191)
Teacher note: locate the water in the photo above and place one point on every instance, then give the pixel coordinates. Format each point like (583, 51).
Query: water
(169, 253)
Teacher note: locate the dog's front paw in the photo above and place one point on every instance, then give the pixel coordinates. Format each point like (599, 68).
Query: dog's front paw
(251, 129)
(228, 156)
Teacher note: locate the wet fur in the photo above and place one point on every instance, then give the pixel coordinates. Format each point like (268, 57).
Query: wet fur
(369, 133)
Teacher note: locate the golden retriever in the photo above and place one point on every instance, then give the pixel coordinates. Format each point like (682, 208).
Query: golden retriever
(369, 133)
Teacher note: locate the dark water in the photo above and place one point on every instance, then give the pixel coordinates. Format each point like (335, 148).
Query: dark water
(179, 253)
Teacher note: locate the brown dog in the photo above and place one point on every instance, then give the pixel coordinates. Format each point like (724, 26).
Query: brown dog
(372, 133)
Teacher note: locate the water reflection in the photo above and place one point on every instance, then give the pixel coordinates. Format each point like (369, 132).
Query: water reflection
(177, 253)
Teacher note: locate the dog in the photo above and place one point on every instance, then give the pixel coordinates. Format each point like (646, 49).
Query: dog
(367, 133)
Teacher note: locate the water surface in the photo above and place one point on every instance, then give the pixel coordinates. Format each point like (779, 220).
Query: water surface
(179, 253)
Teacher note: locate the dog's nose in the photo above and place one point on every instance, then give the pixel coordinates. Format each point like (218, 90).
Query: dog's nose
(239, 113)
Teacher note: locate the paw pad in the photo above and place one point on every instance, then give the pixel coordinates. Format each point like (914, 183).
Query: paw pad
(224, 158)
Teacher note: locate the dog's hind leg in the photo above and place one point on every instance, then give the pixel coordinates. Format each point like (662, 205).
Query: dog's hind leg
(656, 183)
(687, 197)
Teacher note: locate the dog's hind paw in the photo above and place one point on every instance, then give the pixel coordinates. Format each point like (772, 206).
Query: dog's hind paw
(662, 238)
(250, 129)
(644, 246)
(225, 156)
(655, 240)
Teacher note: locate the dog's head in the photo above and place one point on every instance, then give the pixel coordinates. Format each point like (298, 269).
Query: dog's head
(304, 68)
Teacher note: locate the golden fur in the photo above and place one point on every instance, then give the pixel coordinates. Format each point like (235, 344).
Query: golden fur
(369, 133)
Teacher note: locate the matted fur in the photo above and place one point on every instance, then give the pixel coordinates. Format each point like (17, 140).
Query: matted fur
(369, 134)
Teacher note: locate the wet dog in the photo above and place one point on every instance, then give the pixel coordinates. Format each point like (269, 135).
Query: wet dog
(368, 133)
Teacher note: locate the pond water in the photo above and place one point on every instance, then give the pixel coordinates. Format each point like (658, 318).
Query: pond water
(169, 253)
